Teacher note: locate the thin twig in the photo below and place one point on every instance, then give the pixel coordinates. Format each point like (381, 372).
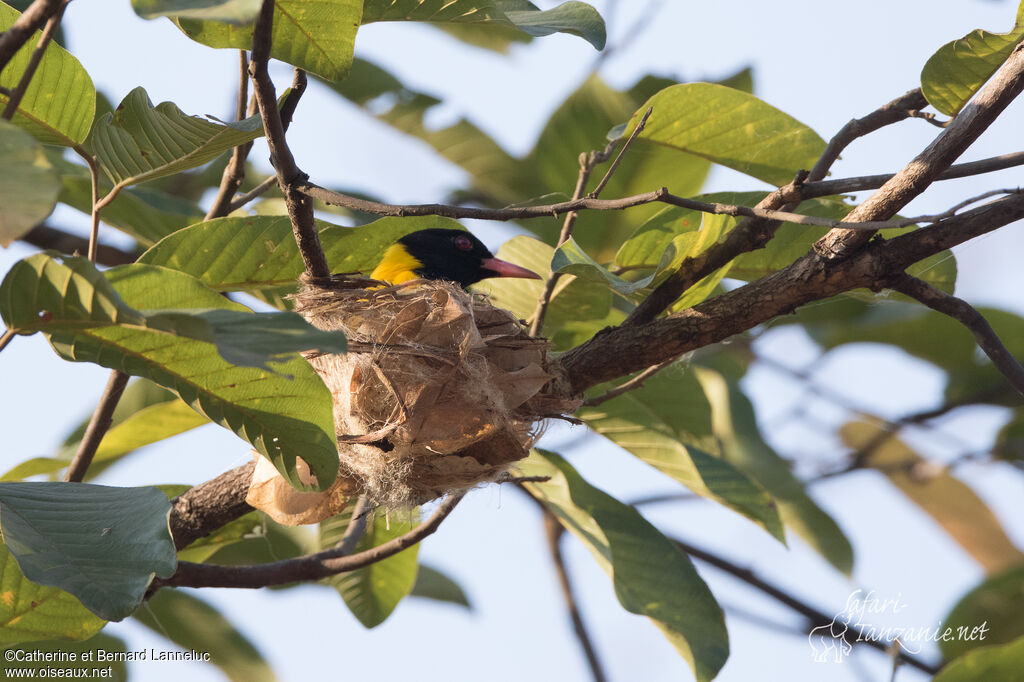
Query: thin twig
(553, 531)
(814, 616)
(299, 205)
(97, 203)
(964, 313)
(254, 193)
(33, 62)
(46, 237)
(24, 26)
(6, 338)
(625, 387)
(234, 172)
(622, 152)
(306, 568)
(356, 526)
(101, 420)
(865, 182)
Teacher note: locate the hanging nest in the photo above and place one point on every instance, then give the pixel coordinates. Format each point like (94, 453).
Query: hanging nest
(440, 391)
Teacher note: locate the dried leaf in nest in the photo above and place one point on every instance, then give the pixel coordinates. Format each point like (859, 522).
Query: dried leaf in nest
(439, 392)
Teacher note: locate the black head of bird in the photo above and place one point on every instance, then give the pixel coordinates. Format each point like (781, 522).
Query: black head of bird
(443, 254)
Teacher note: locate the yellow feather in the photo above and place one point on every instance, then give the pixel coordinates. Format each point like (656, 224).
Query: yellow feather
(396, 266)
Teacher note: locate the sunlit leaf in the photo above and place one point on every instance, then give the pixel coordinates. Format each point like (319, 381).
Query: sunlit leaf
(732, 128)
(60, 101)
(994, 605)
(229, 11)
(315, 35)
(1002, 662)
(959, 68)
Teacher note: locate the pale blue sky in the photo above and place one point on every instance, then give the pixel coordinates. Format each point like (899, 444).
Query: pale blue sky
(821, 62)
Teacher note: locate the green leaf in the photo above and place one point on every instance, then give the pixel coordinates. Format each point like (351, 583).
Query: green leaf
(248, 526)
(947, 499)
(60, 101)
(570, 259)
(732, 128)
(145, 213)
(30, 612)
(577, 18)
(101, 544)
(1003, 662)
(735, 428)
(242, 338)
(315, 35)
(574, 300)
(651, 575)
(283, 418)
(140, 142)
(195, 625)
(433, 584)
(372, 592)
(28, 183)
(959, 68)
(96, 669)
(270, 542)
(229, 11)
(996, 604)
(667, 424)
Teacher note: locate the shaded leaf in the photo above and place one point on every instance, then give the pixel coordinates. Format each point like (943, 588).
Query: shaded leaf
(995, 604)
(735, 428)
(28, 183)
(577, 18)
(31, 612)
(101, 544)
(667, 424)
(60, 100)
(732, 128)
(140, 142)
(433, 584)
(229, 11)
(194, 624)
(315, 35)
(1001, 662)
(959, 68)
(372, 592)
(270, 542)
(651, 575)
(948, 500)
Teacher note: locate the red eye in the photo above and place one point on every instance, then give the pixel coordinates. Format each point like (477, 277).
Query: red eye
(463, 243)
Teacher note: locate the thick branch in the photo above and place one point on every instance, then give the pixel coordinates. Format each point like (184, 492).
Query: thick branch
(300, 206)
(624, 350)
(311, 567)
(203, 509)
(962, 131)
(964, 313)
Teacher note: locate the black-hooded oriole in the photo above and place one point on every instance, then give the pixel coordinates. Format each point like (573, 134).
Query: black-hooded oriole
(443, 254)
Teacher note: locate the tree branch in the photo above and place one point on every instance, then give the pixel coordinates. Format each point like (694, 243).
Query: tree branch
(203, 509)
(234, 172)
(306, 568)
(33, 63)
(623, 350)
(961, 311)
(38, 13)
(101, 420)
(814, 616)
(300, 206)
(46, 237)
(553, 531)
(962, 131)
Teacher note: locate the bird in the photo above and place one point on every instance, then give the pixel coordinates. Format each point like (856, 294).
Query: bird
(443, 254)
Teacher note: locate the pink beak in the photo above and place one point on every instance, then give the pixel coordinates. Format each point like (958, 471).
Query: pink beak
(502, 268)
